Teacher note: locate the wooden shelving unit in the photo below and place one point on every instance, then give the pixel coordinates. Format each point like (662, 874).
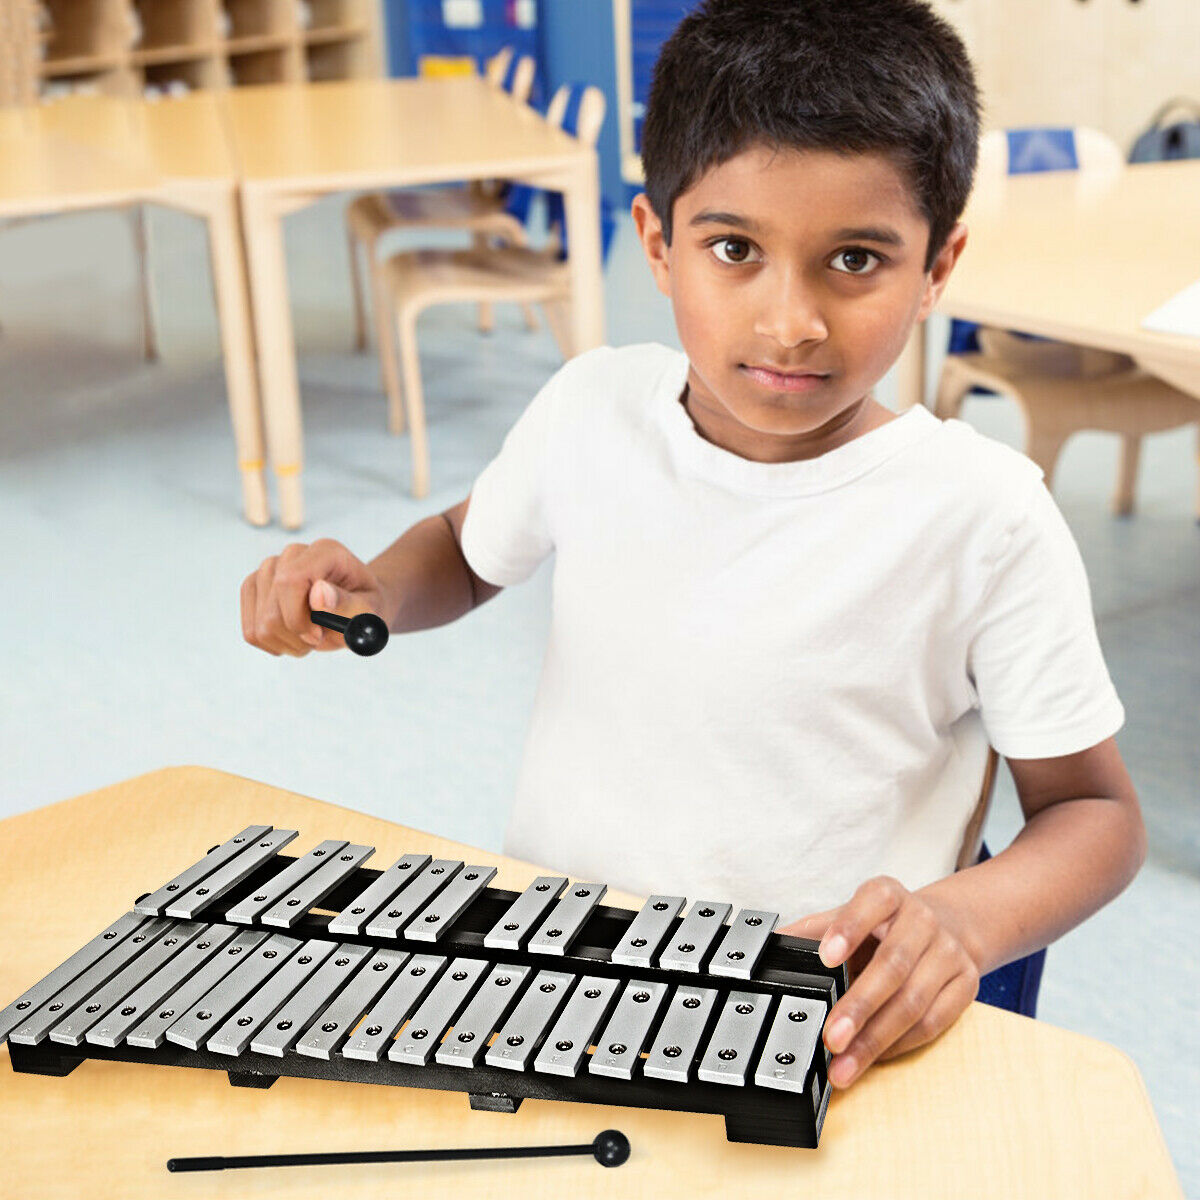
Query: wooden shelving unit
(128, 47)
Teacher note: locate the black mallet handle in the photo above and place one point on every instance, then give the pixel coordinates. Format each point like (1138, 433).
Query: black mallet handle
(365, 634)
(610, 1149)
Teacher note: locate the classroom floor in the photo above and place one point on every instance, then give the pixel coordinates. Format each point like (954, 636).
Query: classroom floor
(124, 552)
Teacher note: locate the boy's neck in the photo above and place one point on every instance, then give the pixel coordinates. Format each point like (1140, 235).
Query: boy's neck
(717, 426)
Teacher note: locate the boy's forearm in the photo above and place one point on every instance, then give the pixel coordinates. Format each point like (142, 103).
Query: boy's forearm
(425, 579)
(1068, 861)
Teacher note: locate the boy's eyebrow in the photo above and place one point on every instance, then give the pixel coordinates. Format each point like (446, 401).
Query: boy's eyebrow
(864, 233)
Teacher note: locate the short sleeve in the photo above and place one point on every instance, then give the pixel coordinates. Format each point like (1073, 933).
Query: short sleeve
(1035, 658)
(507, 530)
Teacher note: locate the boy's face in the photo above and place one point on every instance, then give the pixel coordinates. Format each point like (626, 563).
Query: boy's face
(763, 282)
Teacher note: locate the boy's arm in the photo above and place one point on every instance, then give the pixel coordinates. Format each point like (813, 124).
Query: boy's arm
(1082, 844)
(916, 957)
(422, 579)
(426, 580)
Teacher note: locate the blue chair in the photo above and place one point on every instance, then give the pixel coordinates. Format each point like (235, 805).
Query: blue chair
(1060, 387)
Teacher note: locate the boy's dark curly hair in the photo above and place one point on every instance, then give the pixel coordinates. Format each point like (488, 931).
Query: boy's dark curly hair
(849, 76)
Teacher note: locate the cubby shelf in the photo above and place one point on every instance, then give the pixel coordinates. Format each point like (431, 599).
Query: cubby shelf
(127, 47)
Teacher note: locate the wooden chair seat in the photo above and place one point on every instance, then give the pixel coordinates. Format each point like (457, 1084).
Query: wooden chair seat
(417, 278)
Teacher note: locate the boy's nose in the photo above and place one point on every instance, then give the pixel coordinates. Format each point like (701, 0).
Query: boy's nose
(790, 316)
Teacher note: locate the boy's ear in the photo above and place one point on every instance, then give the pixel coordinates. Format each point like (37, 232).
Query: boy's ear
(650, 232)
(939, 273)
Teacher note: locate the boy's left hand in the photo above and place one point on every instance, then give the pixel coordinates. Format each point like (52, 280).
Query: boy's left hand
(911, 974)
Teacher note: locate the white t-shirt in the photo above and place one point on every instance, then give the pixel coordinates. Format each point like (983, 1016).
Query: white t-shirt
(768, 682)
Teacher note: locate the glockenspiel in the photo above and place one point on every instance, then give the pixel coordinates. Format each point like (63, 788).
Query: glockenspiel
(425, 975)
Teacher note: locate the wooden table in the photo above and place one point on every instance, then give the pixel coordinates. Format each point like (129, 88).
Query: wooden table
(99, 151)
(295, 143)
(999, 1106)
(1081, 257)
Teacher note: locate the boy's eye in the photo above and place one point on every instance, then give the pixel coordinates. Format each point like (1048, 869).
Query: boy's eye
(857, 252)
(741, 250)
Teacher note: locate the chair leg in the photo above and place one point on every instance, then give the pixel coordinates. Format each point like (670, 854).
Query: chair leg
(952, 390)
(1131, 450)
(1044, 445)
(410, 367)
(487, 315)
(557, 318)
(386, 344)
(1198, 474)
(531, 321)
(141, 247)
(356, 288)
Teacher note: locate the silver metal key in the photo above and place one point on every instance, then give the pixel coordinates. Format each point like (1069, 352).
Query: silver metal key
(151, 1033)
(792, 1044)
(674, 1050)
(36, 1027)
(648, 931)
(189, 958)
(390, 920)
(93, 1009)
(354, 917)
(283, 1030)
(211, 888)
(473, 1027)
(370, 1041)
(234, 1036)
(449, 904)
(336, 1022)
(515, 928)
(338, 866)
(564, 921)
(620, 1045)
(155, 904)
(566, 1045)
(199, 1023)
(691, 942)
(247, 910)
(518, 1041)
(423, 1033)
(739, 953)
(728, 1057)
(25, 1005)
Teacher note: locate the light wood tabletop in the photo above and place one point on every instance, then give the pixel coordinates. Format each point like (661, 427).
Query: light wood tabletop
(1081, 256)
(999, 1106)
(101, 151)
(295, 143)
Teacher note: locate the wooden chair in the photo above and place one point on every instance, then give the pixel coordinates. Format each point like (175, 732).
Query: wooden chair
(414, 280)
(478, 207)
(1062, 388)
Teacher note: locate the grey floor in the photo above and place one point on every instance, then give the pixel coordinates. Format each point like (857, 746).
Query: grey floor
(123, 553)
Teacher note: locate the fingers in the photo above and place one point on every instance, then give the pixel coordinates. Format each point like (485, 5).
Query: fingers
(811, 926)
(874, 904)
(277, 600)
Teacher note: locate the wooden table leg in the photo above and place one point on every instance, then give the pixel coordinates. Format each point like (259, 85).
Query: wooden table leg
(262, 223)
(230, 286)
(581, 199)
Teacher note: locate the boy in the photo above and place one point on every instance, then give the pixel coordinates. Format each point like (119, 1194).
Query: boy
(787, 622)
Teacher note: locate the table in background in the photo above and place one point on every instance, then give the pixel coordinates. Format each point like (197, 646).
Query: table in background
(85, 152)
(1079, 256)
(999, 1106)
(296, 143)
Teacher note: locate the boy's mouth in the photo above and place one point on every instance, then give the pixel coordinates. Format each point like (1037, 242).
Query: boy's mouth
(783, 381)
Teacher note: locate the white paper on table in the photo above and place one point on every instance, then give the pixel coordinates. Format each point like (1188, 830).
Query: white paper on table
(1180, 314)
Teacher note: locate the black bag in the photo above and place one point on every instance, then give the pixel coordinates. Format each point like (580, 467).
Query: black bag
(1181, 140)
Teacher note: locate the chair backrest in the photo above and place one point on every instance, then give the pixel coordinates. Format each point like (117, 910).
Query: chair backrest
(969, 851)
(578, 109)
(497, 66)
(514, 75)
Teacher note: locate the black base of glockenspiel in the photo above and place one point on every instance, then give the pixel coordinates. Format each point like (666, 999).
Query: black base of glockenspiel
(250, 1079)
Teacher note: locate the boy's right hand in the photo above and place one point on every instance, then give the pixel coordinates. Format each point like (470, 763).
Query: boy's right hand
(279, 597)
